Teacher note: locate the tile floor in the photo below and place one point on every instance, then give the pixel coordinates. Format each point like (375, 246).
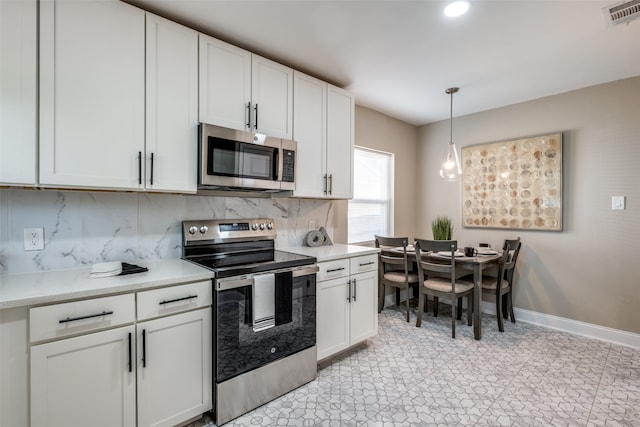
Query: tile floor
(408, 376)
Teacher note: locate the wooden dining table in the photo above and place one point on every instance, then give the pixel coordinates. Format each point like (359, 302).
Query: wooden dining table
(475, 264)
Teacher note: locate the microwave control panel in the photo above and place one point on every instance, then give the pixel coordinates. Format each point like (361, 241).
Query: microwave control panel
(288, 165)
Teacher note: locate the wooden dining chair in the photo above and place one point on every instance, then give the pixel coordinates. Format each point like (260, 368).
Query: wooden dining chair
(394, 269)
(438, 278)
(501, 286)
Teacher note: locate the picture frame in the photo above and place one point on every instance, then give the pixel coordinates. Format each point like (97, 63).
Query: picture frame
(513, 184)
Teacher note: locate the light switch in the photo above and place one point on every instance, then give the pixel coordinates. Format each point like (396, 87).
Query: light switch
(617, 202)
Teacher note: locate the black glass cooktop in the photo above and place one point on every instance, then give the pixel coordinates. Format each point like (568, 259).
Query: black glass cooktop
(239, 262)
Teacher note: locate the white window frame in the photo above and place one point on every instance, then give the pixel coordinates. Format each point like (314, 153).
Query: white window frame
(389, 202)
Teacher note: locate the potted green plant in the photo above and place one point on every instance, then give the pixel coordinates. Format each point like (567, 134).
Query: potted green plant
(442, 228)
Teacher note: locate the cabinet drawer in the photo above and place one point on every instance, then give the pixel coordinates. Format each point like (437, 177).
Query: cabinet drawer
(364, 263)
(60, 320)
(333, 269)
(174, 299)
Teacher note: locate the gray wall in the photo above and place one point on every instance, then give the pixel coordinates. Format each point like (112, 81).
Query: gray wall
(588, 272)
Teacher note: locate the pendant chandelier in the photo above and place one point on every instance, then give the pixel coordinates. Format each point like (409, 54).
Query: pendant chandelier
(450, 169)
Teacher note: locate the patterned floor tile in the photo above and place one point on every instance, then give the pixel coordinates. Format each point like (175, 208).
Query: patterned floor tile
(407, 376)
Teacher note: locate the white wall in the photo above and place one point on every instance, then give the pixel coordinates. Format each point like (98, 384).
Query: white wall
(82, 228)
(589, 271)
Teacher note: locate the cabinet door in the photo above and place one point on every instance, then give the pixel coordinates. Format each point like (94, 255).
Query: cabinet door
(91, 94)
(225, 84)
(364, 312)
(174, 368)
(18, 34)
(340, 134)
(84, 380)
(272, 97)
(171, 107)
(310, 132)
(332, 317)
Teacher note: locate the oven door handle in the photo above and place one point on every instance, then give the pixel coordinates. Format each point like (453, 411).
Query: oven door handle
(226, 283)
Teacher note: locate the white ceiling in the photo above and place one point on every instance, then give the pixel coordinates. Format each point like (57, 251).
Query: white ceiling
(399, 56)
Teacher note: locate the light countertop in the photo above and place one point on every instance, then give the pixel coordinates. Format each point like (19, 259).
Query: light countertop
(332, 252)
(19, 290)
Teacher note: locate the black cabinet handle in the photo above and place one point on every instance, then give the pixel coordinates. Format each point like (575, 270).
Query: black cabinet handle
(326, 184)
(130, 367)
(151, 178)
(73, 319)
(366, 263)
(177, 299)
(256, 108)
(144, 348)
(249, 115)
(331, 184)
(335, 269)
(349, 291)
(139, 167)
(354, 290)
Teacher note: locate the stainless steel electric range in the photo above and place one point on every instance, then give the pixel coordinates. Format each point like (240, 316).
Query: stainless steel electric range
(264, 319)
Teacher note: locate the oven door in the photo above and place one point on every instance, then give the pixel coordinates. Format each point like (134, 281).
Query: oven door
(232, 158)
(242, 342)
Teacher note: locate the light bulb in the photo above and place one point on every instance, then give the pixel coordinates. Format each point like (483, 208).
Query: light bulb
(450, 168)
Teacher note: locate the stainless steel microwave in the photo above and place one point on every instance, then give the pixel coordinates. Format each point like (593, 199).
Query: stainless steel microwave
(231, 159)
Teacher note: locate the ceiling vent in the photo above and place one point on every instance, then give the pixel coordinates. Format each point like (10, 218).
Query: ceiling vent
(619, 13)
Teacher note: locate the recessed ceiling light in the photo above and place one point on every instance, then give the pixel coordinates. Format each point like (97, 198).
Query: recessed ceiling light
(456, 8)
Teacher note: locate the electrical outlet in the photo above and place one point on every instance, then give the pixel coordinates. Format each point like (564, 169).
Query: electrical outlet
(33, 239)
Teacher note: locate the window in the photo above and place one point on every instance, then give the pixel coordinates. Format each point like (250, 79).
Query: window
(370, 210)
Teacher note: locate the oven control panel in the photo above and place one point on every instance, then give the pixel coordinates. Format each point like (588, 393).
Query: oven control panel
(228, 230)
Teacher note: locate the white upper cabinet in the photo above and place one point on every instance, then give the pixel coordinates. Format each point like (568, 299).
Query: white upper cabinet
(171, 106)
(92, 83)
(272, 96)
(310, 132)
(240, 90)
(18, 38)
(324, 130)
(225, 84)
(340, 136)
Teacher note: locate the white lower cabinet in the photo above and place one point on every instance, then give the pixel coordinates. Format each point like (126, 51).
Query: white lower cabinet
(174, 368)
(84, 380)
(346, 303)
(94, 362)
(332, 317)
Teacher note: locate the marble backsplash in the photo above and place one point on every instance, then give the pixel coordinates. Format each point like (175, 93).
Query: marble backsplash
(83, 228)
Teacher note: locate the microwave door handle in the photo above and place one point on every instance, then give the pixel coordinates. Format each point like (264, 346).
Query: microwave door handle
(277, 165)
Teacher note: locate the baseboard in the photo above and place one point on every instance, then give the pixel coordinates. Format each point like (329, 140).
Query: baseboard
(576, 327)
